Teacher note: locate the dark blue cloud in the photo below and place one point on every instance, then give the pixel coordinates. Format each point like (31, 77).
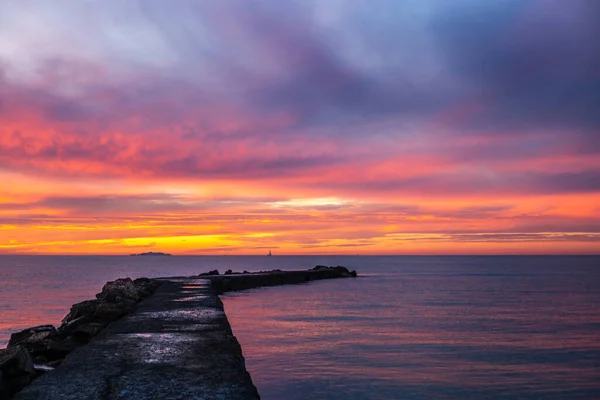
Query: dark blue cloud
(531, 64)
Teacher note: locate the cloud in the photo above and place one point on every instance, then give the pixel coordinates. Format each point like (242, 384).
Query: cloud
(529, 64)
(387, 106)
(476, 181)
(532, 63)
(521, 237)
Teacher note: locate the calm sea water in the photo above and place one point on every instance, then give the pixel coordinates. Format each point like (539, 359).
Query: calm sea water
(408, 328)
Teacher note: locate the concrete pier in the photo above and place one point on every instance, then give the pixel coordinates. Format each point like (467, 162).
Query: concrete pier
(176, 344)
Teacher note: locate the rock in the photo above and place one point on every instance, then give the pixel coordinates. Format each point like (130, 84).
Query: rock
(108, 312)
(145, 286)
(39, 360)
(18, 383)
(118, 290)
(57, 351)
(341, 270)
(143, 281)
(213, 272)
(54, 364)
(83, 309)
(49, 346)
(15, 361)
(31, 335)
(46, 350)
(67, 328)
(4, 394)
(85, 332)
(95, 311)
(144, 292)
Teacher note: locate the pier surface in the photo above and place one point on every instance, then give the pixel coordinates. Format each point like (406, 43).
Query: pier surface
(177, 344)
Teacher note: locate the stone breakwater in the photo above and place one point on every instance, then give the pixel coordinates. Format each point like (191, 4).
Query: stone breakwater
(39, 349)
(165, 338)
(234, 282)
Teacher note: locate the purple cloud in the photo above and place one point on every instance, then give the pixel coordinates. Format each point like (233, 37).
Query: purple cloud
(254, 90)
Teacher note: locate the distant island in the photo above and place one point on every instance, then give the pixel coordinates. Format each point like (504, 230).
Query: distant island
(151, 253)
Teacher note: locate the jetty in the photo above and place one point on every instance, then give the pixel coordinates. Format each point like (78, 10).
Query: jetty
(165, 338)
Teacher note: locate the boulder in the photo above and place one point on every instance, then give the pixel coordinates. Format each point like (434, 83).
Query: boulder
(49, 346)
(108, 312)
(39, 360)
(340, 269)
(32, 335)
(99, 312)
(57, 351)
(145, 286)
(15, 361)
(87, 318)
(118, 290)
(17, 384)
(85, 332)
(4, 394)
(38, 348)
(46, 350)
(54, 364)
(67, 328)
(83, 309)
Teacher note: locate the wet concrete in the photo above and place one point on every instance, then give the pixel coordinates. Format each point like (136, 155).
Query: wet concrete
(177, 344)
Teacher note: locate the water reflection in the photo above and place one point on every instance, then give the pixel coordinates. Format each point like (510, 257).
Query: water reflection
(422, 331)
(412, 328)
(36, 290)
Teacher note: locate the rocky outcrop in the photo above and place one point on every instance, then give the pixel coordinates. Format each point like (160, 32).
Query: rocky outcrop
(47, 346)
(117, 298)
(213, 272)
(118, 291)
(32, 335)
(16, 370)
(97, 311)
(4, 393)
(176, 345)
(341, 270)
(146, 287)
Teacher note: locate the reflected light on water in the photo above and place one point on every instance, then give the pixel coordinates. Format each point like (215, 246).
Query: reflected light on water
(427, 331)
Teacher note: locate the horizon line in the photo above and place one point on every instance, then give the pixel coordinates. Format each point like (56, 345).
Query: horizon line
(317, 255)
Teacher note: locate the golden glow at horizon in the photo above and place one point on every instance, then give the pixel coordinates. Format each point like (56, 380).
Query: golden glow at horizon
(299, 225)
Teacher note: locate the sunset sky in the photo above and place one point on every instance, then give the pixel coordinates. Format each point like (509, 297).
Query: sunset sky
(304, 127)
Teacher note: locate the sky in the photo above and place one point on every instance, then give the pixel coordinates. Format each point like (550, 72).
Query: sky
(300, 126)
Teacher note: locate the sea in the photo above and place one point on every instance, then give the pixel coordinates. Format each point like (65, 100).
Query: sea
(409, 327)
